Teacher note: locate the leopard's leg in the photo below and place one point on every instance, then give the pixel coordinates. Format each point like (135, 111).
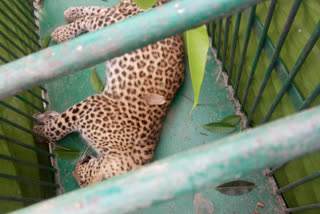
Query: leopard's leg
(54, 126)
(69, 31)
(74, 13)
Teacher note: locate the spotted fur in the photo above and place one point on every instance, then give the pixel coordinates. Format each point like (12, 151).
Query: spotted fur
(119, 123)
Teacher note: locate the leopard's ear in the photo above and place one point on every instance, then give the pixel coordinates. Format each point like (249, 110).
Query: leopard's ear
(154, 99)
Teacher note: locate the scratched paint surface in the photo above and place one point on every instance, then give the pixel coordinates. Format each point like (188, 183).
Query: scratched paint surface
(180, 132)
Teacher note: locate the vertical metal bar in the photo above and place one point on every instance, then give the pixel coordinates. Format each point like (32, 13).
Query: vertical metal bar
(225, 45)
(274, 59)
(302, 57)
(13, 43)
(219, 37)
(17, 110)
(24, 14)
(299, 182)
(38, 97)
(17, 36)
(259, 50)
(213, 37)
(234, 46)
(21, 20)
(21, 29)
(306, 103)
(28, 102)
(28, 163)
(244, 49)
(28, 180)
(33, 148)
(303, 208)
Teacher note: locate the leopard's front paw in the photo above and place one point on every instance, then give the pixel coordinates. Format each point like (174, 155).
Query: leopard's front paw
(42, 121)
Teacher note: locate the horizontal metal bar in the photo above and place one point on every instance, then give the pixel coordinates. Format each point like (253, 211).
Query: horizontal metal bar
(313, 95)
(28, 163)
(299, 182)
(8, 51)
(275, 169)
(8, 198)
(17, 110)
(19, 27)
(303, 208)
(17, 17)
(43, 88)
(38, 97)
(13, 43)
(119, 38)
(33, 148)
(28, 102)
(28, 180)
(207, 165)
(22, 128)
(27, 8)
(24, 14)
(16, 35)
(302, 57)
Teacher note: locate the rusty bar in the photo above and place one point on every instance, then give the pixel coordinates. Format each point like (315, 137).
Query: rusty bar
(95, 47)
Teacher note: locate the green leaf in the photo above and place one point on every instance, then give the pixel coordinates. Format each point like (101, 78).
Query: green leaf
(96, 83)
(197, 49)
(236, 187)
(145, 4)
(232, 119)
(219, 127)
(45, 42)
(70, 153)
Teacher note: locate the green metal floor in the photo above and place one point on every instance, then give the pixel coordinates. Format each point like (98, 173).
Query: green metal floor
(181, 130)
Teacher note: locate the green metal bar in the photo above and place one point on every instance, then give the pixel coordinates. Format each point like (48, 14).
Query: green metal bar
(8, 51)
(225, 45)
(303, 55)
(24, 14)
(213, 27)
(303, 208)
(207, 165)
(43, 88)
(114, 40)
(28, 180)
(244, 49)
(28, 163)
(273, 61)
(16, 35)
(33, 148)
(234, 46)
(21, 128)
(219, 37)
(277, 168)
(24, 6)
(29, 103)
(17, 110)
(310, 98)
(8, 198)
(299, 182)
(13, 43)
(20, 20)
(293, 93)
(19, 27)
(261, 44)
(38, 97)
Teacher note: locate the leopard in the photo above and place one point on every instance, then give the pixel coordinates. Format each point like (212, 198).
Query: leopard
(123, 123)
